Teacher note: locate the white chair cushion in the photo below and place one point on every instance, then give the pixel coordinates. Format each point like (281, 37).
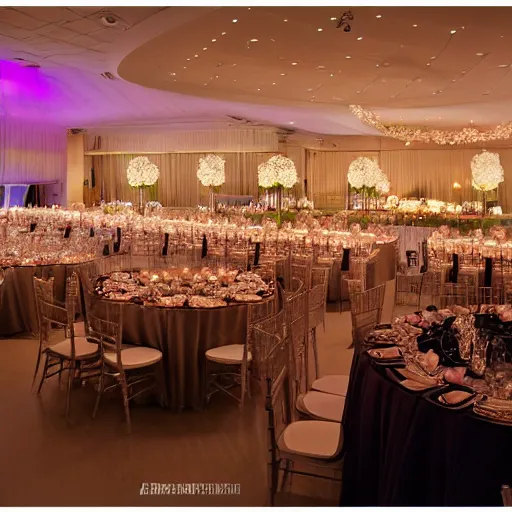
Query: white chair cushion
(228, 354)
(312, 438)
(83, 348)
(322, 405)
(333, 384)
(79, 329)
(135, 357)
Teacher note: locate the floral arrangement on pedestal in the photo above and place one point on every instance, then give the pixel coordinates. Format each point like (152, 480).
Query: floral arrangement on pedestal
(277, 173)
(141, 174)
(211, 173)
(486, 173)
(367, 178)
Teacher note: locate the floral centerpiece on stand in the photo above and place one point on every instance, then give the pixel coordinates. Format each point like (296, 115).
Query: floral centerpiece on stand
(277, 173)
(142, 174)
(486, 173)
(366, 177)
(211, 173)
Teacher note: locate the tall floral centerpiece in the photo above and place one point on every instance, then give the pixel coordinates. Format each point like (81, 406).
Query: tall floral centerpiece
(277, 173)
(486, 173)
(141, 174)
(211, 174)
(365, 177)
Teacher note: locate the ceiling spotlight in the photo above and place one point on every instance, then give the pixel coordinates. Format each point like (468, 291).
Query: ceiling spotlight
(259, 89)
(348, 57)
(204, 49)
(273, 83)
(408, 143)
(359, 38)
(188, 59)
(453, 32)
(223, 34)
(332, 75)
(379, 16)
(283, 74)
(213, 40)
(320, 29)
(343, 22)
(285, 21)
(173, 74)
(254, 40)
(235, 20)
(415, 26)
(480, 54)
(196, 55)
(503, 66)
(294, 63)
(291, 122)
(334, 19)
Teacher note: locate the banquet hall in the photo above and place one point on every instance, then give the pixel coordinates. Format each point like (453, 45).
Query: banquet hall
(255, 255)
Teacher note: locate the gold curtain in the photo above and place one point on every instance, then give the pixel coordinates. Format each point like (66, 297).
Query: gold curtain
(428, 173)
(178, 184)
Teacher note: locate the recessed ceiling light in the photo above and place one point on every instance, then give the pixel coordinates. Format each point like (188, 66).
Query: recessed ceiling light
(310, 89)
(332, 75)
(184, 67)
(291, 122)
(188, 59)
(348, 57)
(223, 34)
(407, 143)
(359, 38)
(213, 40)
(273, 83)
(379, 16)
(216, 76)
(294, 63)
(285, 21)
(173, 74)
(259, 89)
(503, 66)
(205, 48)
(453, 80)
(234, 80)
(433, 58)
(196, 55)
(283, 74)
(415, 26)
(235, 20)
(334, 19)
(377, 65)
(480, 54)
(453, 31)
(254, 40)
(428, 63)
(205, 83)
(320, 29)
(471, 121)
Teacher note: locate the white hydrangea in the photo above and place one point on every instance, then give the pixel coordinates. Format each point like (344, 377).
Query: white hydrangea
(383, 184)
(141, 172)
(487, 172)
(277, 171)
(364, 172)
(211, 171)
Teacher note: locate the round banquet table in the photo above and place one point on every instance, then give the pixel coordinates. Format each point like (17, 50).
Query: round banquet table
(18, 312)
(183, 336)
(402, 450)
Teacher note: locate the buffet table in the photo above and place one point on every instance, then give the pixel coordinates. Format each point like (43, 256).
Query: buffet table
(404, 451)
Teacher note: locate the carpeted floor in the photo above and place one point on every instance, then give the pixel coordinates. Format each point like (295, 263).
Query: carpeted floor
(46, 462)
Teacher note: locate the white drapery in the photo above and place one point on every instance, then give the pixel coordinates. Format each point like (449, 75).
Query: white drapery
(32, 152)
(236, 140)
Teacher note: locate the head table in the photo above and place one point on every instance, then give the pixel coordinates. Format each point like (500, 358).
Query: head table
(402, 450)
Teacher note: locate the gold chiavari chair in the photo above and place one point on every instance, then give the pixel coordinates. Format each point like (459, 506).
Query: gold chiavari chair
(73, 351)
(366, 310)
(235, 360)
(43, 290)
(128, 366)
(408, 290)
(73, 300)
(302, 271)
(313, 444)
(453, 294)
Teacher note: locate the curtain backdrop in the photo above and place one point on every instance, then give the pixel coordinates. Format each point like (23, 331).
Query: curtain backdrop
(426, 173)
(178, 184)
(31, 152)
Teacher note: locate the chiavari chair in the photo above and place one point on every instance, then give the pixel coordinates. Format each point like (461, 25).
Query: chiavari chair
(313, 444)
(366, 311)
(431, 285)
(408, 290)
(128, 366)
(453, 294)
(235, 360)
(73, 351)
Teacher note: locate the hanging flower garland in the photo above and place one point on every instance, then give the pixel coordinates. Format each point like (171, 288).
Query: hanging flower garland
(141, 172)
(211, 171)
(486, 170)
(278, 171)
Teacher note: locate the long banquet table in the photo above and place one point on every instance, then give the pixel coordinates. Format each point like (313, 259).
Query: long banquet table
(18, 312)
(402, 450)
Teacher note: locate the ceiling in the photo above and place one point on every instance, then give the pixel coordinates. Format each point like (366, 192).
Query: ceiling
(283, 66)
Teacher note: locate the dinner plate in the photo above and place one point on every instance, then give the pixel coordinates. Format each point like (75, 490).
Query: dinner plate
(453, 396)
(385, 354)
(410, 381)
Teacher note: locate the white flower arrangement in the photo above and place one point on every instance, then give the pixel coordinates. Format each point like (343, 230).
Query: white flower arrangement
(305, 204)
(365, 172)
(211, 171)
(486, 170)
(277, 171)
(142, 172)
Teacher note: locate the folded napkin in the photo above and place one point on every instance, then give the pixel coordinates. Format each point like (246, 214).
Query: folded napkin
(454, 397)
(385, 353)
